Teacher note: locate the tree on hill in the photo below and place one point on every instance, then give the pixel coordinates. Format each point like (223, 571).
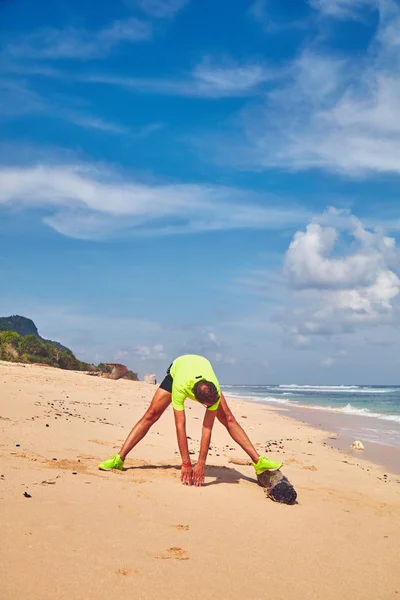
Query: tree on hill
(32, 349)
(25, 326)
(131, 376)
(19, 324)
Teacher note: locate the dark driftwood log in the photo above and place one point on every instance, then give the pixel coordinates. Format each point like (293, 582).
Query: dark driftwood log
(277, 487)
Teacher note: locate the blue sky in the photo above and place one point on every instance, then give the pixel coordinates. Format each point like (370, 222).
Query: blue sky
(212, 177)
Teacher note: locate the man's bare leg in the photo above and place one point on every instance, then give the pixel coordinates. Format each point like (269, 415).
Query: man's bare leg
(161, 401)
(225, 416)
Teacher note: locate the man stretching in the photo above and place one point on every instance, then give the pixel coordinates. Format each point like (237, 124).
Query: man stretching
(191, 376)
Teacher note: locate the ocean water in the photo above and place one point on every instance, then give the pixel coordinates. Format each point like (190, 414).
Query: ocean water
(378, 407)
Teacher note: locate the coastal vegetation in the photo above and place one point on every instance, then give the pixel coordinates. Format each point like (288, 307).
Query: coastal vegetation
(21, 342)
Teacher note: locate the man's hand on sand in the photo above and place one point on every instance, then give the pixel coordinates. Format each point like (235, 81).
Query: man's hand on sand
(199, 472)
(187, 475)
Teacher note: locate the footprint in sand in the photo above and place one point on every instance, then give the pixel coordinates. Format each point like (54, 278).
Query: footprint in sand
(127, 510)
(240, 461)
(309, 468)
(126, 572)
(175, 552)
(181, 527)
(101, 443)
(66, 465)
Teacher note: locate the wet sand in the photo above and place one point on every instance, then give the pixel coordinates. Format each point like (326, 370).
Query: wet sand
(345, 429)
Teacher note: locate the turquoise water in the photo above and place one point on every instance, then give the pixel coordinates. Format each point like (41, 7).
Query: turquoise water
(379, 406)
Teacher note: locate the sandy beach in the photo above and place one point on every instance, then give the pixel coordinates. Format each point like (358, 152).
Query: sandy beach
(86, 534)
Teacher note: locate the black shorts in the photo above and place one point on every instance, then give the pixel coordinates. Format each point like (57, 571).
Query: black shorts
(166, 383)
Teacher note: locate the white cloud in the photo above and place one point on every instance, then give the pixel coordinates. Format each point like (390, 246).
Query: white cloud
(261, 11)
(338, 114)
(18, 100)
(88, 121)
(155, 352)
(333, 359)
(309, 262)
(338, 291)
(207, 80)
(258, 9)
(343, 9)
(86, 202)
(328, 362)
(72, 43)
(231, 79)
(162, 8)
(213, 338)
(226, 360)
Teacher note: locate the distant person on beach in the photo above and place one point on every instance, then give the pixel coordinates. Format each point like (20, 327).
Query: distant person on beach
(191, 376)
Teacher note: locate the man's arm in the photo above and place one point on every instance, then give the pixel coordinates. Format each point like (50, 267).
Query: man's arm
(180, 424)
(199, 469)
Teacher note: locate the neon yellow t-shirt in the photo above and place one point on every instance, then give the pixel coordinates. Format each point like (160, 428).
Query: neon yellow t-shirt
(187, 370)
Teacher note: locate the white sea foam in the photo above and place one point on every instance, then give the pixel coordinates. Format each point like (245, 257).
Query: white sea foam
(352, 410)
(294, 386)
(348, 409)
(259, 398)
(336, 389)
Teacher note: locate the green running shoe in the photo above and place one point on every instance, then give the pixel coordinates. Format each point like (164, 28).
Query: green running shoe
(115, 462)
(266, 464)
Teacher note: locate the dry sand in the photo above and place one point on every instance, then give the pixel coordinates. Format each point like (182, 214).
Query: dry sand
(85, 534)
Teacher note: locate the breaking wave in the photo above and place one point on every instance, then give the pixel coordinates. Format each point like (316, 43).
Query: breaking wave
(259, 398)
(348, 409)
(352, 410)
(344, 389)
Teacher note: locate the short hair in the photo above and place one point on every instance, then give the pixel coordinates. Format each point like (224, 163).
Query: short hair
(206, 391)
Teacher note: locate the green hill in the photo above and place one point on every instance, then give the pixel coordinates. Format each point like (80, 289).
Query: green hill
(20, 342)
(24, 326)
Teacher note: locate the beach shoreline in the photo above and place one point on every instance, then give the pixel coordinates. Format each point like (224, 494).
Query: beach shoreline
(84, 534)
(335, 425)
(379, 435)
(342, 430)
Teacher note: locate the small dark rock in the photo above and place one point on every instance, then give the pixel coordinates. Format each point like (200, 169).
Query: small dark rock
(18, 445)
(47, 425)
(27, 495)
(74, 473)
